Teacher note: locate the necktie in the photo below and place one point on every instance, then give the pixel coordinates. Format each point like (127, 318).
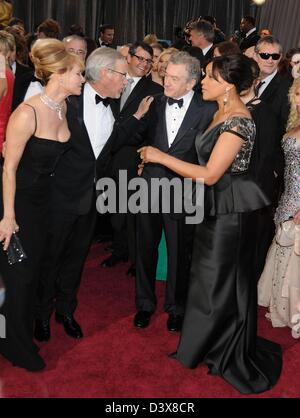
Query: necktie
(99, 99)
(257, 88)
(171, 102)
(126, 92)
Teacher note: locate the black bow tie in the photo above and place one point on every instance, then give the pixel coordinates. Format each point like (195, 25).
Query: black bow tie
(99, 99)
(104, 44)
(34, 79)
(171, 102)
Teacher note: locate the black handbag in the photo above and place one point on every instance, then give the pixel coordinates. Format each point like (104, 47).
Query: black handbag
(15, 252)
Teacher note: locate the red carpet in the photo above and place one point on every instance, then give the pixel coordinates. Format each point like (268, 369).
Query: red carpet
(115, 360)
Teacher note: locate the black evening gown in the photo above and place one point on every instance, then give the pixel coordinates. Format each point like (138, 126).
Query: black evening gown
(33, 192)
(220, 323)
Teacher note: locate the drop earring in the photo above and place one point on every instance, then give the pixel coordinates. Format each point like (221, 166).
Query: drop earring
(226, 97)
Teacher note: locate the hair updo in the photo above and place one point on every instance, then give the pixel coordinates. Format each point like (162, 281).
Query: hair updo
(49, 56)
(235, 69)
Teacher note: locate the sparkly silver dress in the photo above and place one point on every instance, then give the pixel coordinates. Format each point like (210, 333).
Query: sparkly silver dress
(279, 285)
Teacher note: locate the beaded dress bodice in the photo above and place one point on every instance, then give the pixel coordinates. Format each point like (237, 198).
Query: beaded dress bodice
(290, 199)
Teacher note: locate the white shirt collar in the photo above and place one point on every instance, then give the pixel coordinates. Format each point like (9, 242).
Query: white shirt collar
(249, 32)
(205, 50)
(270, 77)
(187, 98)
(14, 67)
(90, 92)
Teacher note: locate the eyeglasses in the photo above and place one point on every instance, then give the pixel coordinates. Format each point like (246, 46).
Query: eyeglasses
(77, 51)
(266, 56)
(118, 72)
(142, 59)
(296, 62)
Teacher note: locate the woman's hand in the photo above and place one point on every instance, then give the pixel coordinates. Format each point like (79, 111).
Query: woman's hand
(151, 155)
(297, 217)
(144, 107)
(7, 228)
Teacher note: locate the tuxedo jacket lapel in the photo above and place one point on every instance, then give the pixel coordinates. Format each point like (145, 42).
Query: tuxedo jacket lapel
(190, 120)
(271, 88)
(162, 124)
(77, 104)
(135, 92)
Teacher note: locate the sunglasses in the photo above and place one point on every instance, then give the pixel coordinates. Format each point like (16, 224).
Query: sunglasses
(266, 56)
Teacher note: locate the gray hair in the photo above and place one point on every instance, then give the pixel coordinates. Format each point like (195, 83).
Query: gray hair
(99, 59)
(192, 64)
(205, 28)
(73, 37)
(271, 40)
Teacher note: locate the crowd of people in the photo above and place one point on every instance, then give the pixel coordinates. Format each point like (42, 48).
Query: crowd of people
(224, 112)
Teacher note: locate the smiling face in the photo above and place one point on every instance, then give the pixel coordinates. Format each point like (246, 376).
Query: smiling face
(107, 36)
(140, 63)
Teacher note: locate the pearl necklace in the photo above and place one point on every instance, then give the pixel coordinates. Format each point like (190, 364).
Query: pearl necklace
(58, 108)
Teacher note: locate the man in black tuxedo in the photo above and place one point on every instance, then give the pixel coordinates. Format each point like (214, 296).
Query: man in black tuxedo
(248, 30)
(126, 158)
(91, 122)
(172, 124)
(202, 35)
(273, 88)
(106, 36)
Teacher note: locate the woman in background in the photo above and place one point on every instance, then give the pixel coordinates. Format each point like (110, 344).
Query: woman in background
(279, 285)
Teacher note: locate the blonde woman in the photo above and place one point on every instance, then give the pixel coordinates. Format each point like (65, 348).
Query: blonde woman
(37, 135)
(279, 285)
(159, 69)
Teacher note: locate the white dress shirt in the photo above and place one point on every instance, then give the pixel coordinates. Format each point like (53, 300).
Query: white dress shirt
(205, 50)
(266, 81)
(175, 116)
(249, 32)
(34, 88)
(98, 119)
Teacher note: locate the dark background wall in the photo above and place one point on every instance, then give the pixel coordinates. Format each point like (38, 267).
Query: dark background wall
(133, 18)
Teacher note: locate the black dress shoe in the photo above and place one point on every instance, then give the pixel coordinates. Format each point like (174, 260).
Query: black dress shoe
(42, 330)
(113, 260)
(142, 319)
(131, 272)
(72, 328)
(174, 323)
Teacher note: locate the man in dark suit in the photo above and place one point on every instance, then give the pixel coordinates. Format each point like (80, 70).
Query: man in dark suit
(91, 122)
(273, 88)
(126, 158)
(202, 35)
(172, 124)
(106, 36)
(248, 30)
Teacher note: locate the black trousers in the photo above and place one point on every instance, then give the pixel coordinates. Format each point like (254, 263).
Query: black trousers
(68, 243)
(149, 231)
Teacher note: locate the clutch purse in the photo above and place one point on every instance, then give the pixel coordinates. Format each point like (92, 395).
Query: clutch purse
(15, 252)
